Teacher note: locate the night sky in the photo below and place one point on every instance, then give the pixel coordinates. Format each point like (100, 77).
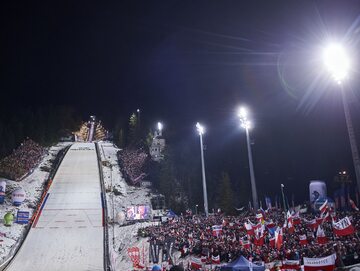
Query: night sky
(188, 61)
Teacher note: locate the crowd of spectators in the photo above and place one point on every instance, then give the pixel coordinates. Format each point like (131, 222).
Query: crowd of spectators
(132, 163)
(193, 236)
(22, 160)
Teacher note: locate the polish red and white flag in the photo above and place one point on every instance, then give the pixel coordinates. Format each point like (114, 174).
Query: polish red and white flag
(215, 259)
(324, 207)
(249, 228)
(303, 240)
(290, 265)
(320, 236)
(196, 263)
(317, 264)
(245, 243)
(343, 227)
(311, 223)
(272, 242)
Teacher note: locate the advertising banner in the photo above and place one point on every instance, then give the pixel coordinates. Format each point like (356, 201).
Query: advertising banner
(18, 196)
(22, 217)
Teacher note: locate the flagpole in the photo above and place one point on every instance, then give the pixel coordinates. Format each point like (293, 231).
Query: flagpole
(282, 193)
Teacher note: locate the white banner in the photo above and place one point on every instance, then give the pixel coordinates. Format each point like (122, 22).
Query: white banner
(316, 262)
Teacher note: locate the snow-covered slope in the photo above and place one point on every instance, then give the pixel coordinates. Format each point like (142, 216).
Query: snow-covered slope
(69, 232)
(33, 185)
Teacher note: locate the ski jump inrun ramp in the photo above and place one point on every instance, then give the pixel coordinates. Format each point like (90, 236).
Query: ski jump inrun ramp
(69, 232)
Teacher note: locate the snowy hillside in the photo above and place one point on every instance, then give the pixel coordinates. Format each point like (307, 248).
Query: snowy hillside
(33, 185)
(118, 198)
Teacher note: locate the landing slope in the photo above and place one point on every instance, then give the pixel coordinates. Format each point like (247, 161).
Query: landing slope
(68, 234)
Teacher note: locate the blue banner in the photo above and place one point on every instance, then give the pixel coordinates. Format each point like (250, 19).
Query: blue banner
(22, 217)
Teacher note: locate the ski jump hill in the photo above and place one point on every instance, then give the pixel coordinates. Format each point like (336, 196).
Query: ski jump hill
(68, 232)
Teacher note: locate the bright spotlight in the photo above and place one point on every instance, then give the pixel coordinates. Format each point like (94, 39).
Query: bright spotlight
(200, 128)
(242, 112)
(337, 61)
(160, 126)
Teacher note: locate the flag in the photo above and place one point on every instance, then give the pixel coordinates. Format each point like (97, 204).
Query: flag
(320, 236)
(259, 241)
(312, 224)
(296, 218)
(215, 259)
(249, 228)
(324, 207)
(260, 217)
(315, 264)
(326, 216)
(259, 236)
(196, 263)
(216, 230)
(343, 227)
(278, 238)
(290, 265)
(272, 242)
(271, 227)
(290, 224)
(245, 243)
(353, 205)
(303, 240)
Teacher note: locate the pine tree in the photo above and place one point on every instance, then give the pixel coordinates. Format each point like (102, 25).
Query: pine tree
(226, 194)
(133, 129)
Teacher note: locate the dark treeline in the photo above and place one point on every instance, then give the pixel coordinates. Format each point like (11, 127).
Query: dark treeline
(44, 125)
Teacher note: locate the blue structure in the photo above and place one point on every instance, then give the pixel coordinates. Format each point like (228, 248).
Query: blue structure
(242, 264)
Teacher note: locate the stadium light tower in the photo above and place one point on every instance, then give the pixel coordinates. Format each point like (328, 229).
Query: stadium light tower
(246, 124)
(338, 63)
(201, 131)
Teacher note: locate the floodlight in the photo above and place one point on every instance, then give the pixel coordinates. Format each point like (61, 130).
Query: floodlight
(200, 128)
(337, 61)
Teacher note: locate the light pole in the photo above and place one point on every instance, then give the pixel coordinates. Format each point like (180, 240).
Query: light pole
(138, 115)
(201, 131)
(337, 63)
(196, 207)
(160, 127)
(246, 124)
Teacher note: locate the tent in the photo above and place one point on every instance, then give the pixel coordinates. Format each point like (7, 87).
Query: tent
(242, 264)
(171, 214)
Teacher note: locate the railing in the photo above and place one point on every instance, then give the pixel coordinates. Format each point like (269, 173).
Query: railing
(105, 212)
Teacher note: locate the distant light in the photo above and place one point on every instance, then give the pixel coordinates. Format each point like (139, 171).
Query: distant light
(160, 126)
(242, 112)
(138, 110)
(337, 61)
(344, 172)
(200, 128)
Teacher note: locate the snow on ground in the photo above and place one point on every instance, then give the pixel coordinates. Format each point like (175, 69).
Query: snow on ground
(122, 195)
(33, 185)
(68, 234)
